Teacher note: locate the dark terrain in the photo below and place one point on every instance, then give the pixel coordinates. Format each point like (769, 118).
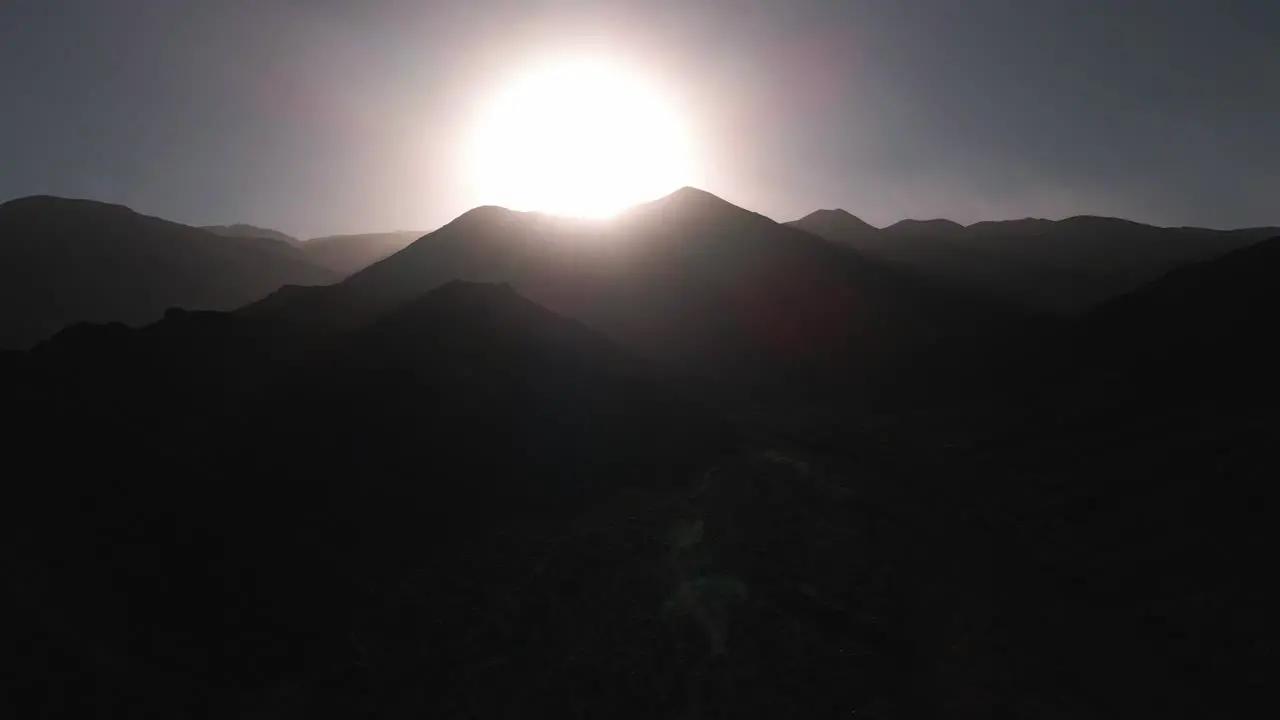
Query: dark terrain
(690, 464)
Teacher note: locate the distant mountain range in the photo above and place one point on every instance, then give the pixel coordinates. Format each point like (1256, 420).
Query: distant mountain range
(343, 254)
(348, 254)
(689, 281)
(242, 230)
(688, 462)
(67, 261)
(1037, 265)
(1065, 266)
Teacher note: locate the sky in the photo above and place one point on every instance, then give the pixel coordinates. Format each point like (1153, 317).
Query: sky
(331, 116)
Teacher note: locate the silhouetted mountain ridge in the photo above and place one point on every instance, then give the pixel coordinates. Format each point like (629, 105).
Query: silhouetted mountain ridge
(39, 204)
(1066, 266)
(251, 231)
(64, 261)
(835, 224)
(922, 227)
(642, 467)
(688, 280)
(348, 254)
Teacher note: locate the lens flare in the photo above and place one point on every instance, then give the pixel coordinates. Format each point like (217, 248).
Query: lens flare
(581, 136)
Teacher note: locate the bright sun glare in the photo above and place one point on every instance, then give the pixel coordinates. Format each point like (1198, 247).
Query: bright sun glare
(582, 137)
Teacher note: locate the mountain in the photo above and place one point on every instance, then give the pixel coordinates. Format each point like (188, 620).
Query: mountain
(837, 224)
(1066, 266)
(347, 254)
(690, 281)
(413, 495)
(927, 248)
(1204, 320)
(923, 228)
(242, 230)
(64, 261)
(1121, 513)
(343, 254)
(468, 488)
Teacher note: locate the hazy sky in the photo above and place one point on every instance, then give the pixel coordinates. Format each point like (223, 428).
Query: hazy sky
(324, 116)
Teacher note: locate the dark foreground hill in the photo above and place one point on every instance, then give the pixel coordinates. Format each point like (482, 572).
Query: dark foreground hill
(1208, 320)
(1121, 519)
(1066, 266)
(469, 507)
(66, 261)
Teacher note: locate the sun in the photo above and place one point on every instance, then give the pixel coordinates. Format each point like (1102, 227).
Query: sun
(579, 136)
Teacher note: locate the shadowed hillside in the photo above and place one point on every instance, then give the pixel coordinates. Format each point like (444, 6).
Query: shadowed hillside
(469, 506)
(1119, 516)
(722, 468)
(691, 281)
(65, 261)
(1203, 318)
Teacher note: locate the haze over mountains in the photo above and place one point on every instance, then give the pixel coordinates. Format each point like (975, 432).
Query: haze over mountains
(1037, 265)
(1063, 266)
(341, 253)
(351, 253)
(689, 281)
(243, 230)
(67, 261)
(687, 462)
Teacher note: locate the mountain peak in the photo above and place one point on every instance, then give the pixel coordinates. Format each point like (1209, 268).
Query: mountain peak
(688, 196)
(915, 226)
(689, 191)
(688, 203)
(483, 215)
(835, 216)
(482, 218)
(40, 203)
(840, 225)
(833, 212)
